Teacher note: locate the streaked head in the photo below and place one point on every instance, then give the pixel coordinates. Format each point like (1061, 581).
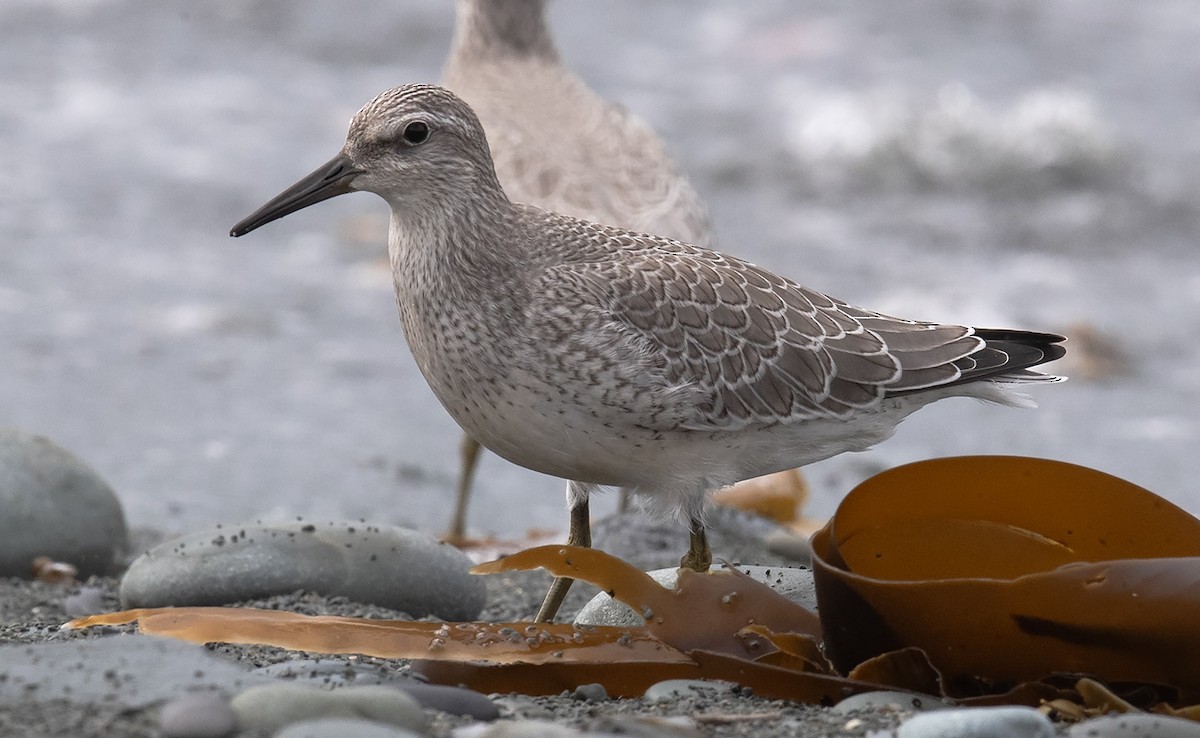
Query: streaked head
(416, 146)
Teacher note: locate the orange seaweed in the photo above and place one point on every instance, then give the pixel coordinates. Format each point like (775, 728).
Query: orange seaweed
(533, 643)
(729, 599)
(1009, 569)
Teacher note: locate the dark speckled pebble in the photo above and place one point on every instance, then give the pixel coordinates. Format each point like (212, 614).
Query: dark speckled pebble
(330, 672)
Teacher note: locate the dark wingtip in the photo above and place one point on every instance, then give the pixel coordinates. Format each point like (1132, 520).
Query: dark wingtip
(1054, 351)
(1019, 350)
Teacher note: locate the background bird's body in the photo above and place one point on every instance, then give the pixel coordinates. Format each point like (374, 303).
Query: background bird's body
(558, 145)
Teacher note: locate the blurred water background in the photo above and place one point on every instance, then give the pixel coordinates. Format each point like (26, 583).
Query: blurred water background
(1017, 163)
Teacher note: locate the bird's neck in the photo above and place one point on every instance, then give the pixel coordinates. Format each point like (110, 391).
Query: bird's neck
(458, 251)
(489, 29)
(456, 276)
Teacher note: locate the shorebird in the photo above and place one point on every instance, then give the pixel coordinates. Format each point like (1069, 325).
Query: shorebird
(558, 145)
(614, 358)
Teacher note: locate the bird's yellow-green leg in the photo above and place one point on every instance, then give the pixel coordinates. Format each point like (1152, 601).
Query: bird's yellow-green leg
(579, 534)
(469, 455)
(699, 555)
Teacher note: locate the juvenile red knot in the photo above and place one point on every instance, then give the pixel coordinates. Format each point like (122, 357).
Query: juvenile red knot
(614, 358)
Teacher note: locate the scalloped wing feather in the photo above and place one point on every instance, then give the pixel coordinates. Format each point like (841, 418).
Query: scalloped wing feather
(745, 347)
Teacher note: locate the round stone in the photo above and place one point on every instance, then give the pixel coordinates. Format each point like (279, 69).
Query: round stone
(87, 601)
(790, 545)
(393, 567)
(669, 690)
(590, 693)
(884, 699)
(53, 504)
(519, 729)
(1135, 725)
(198, 715)
(451, 700)
(272, 706)
(978, 722)
(343, 728)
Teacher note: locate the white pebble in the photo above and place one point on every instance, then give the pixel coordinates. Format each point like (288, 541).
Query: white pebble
(978, 722)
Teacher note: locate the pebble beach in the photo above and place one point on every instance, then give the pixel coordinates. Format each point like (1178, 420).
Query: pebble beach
(185, 419)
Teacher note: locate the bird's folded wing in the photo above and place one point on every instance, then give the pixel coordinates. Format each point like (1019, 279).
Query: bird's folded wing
(744, 347)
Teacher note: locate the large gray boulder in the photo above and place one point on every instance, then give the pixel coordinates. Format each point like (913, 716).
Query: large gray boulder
(53, 504)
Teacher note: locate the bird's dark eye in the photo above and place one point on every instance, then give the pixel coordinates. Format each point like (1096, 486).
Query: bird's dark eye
(416, 132)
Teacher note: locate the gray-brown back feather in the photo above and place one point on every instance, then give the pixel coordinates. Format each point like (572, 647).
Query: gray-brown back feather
(748, 347)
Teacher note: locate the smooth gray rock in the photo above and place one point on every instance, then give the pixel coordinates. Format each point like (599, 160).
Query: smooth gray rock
(674, 689)
(1135, 725)
(87, 601)
(794, 583)
(885, 697)
(197, 715)
(272, 706)
(517, 729)
(53, 504)
(791, 546)
(334, 672)
(978, 722)
(645, 726)
(452, 700)
(131, 669)
(343, 728)
(591, 693)
(384, 565)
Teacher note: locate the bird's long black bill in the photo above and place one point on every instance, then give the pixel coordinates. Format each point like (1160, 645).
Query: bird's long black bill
(330, 180)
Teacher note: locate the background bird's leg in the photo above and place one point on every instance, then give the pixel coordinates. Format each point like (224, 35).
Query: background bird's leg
(469, 455)
(579, 534)
(699, 555)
